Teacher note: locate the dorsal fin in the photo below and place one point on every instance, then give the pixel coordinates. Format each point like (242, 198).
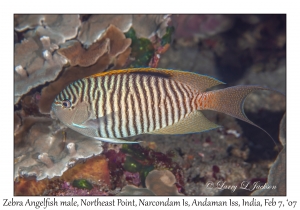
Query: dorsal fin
(196, 81)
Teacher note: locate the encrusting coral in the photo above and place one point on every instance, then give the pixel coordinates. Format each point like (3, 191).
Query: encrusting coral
(95, 26)
(51, 51)
(50, 54)
(158, 182)
(35, 64)
(59, 27)
(113, 43)
(44, 150)
(77, 55)
(162, 182)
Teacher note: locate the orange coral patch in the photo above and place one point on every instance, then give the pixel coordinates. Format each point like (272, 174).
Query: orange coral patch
(30, 186)
(94, 170)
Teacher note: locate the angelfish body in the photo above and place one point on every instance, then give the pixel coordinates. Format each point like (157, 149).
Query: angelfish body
(117, 104)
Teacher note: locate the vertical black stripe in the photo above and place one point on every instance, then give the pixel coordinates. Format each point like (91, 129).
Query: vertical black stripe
(67, 93)
(64, 96)
(151, 104)
(185, 100)
(189, 91)
(176, 99)
(144, 78)
(104, 106)
(180, 92)
(126, 105)
(95, 87)
(139, 102)
(77, 88)
(60, 96)
(102, 103)
(184, 94)
(167, 96)
(73, 93)
(111, 104)
(195, 100)
(171, 102)
(159, 120)
(97, 98)
(83, 89)
(88, 93)
(134, 114)
(119, 94)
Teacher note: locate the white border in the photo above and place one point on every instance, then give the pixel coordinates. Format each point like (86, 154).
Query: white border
(254, 6)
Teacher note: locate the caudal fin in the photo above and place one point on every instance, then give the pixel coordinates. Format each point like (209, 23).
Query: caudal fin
(231, 101)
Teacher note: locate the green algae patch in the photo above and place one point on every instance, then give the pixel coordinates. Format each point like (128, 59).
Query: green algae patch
(82, 184)
(142, 50)
(167, 38)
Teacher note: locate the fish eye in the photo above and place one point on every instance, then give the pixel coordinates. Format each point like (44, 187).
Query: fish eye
(66, 103)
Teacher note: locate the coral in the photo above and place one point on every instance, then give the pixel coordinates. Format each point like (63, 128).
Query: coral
(158, 182)
(59, 27)
(162, 182)
(251, 52)
(118, 45)
(88, 178)
(42, 150)
(35, 64)
(77, 55)
(155, 24)
(66, 189)
(45, 149)
(133, 178)
(142, 160)
(94, 170)
(95, 26)
(133, 190)
(30, 186)
(115, 165)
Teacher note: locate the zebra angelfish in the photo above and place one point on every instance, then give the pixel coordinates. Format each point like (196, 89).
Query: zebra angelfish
(117, 104)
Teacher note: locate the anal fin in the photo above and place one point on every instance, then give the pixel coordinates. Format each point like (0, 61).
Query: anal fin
(195, 122)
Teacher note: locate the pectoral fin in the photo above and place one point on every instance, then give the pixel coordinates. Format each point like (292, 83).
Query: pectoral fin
(195, 122)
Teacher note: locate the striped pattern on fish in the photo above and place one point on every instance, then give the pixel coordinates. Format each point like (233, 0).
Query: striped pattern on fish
(122, 103)
(138, 103)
